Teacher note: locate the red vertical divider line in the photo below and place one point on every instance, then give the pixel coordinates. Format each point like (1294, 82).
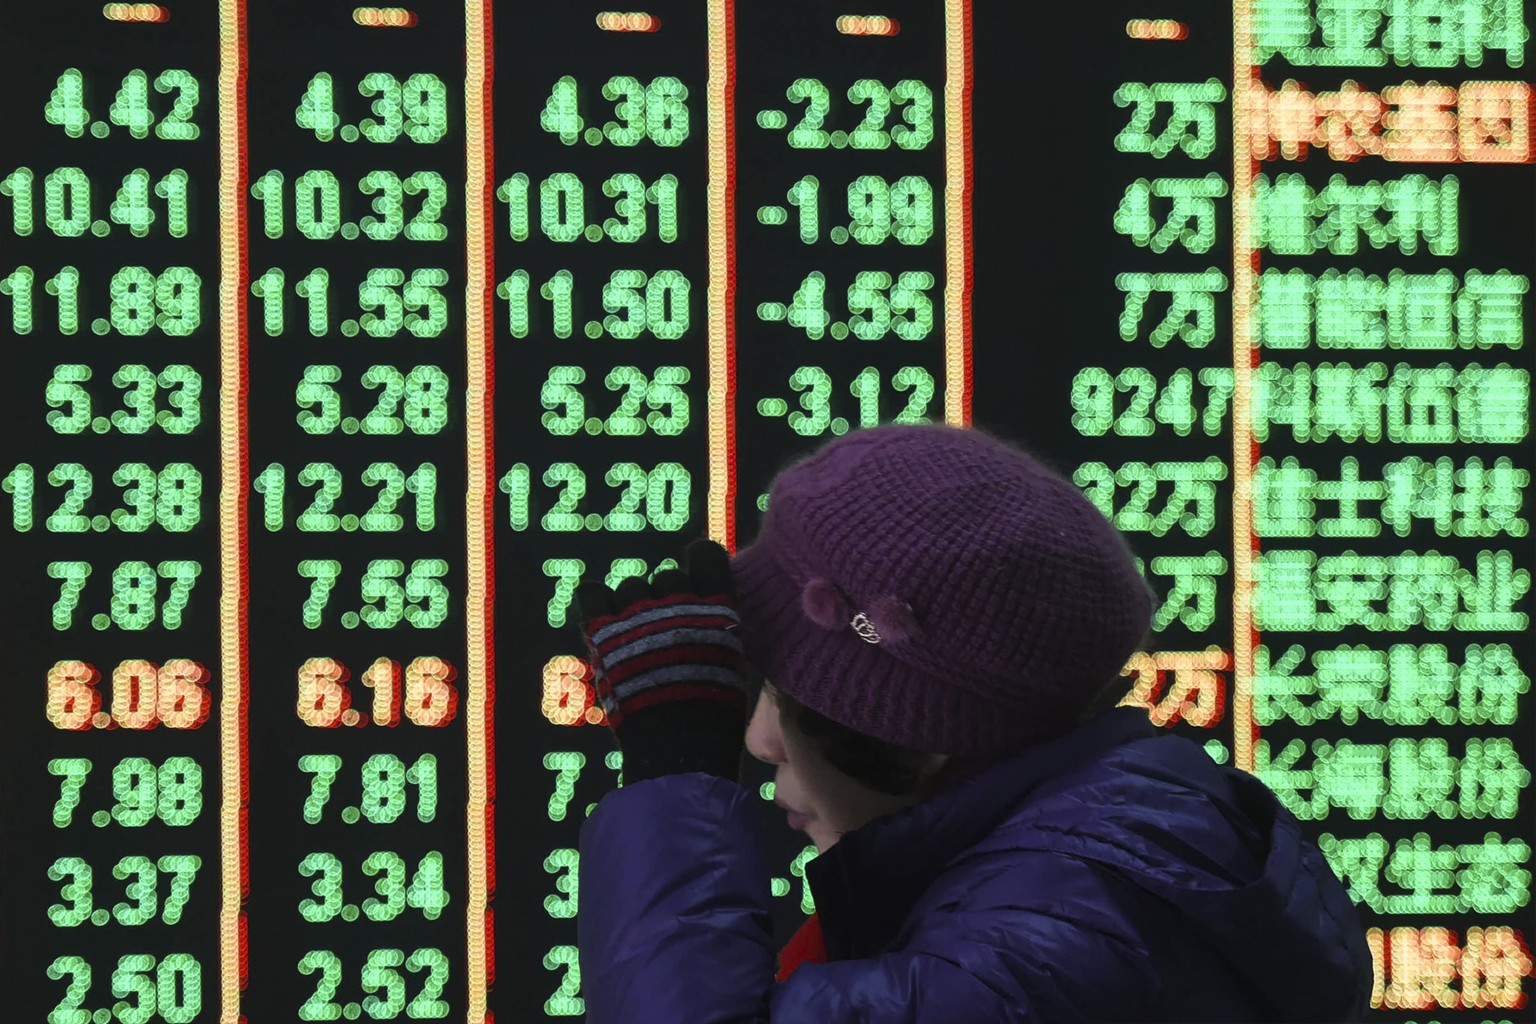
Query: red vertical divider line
(958, 82)
(479, 539)
(1245, 361)
(721, 397)
(234, 474)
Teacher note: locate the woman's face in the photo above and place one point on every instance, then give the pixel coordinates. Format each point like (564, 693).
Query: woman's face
(830, 802)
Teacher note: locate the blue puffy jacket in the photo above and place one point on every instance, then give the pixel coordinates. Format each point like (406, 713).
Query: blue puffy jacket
(1115, 874)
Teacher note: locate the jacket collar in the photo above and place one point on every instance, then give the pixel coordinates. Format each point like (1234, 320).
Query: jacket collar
(866, 884)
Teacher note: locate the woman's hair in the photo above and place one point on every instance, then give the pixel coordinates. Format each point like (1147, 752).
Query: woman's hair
(893, 769)
(883, 767)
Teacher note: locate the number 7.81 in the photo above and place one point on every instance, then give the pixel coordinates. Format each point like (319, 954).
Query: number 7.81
(384, 778)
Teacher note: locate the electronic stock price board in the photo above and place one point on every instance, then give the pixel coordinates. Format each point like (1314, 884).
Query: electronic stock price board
(339, 342)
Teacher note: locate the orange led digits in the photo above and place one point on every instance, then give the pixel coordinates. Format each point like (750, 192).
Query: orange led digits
(631, 21)
(1161, 28)
(146, 13)
(867, 25)
(384, 17)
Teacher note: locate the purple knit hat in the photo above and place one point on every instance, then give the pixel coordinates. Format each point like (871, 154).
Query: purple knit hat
(936, 588)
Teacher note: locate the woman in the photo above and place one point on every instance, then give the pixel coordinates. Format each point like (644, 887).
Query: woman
(939, 621)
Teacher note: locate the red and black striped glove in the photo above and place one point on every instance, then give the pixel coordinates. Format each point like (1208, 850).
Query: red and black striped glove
(669, 668)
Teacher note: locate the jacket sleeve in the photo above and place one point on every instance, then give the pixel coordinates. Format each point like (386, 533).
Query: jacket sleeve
(674, 925)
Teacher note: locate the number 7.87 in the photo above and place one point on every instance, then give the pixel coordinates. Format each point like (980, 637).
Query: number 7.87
(134, 588)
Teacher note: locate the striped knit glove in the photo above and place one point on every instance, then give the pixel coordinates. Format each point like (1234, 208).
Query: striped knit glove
(669, 668)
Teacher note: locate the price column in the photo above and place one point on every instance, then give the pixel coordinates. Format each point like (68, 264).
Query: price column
(357, 558)
(1157, 411)
(111, 856)
(851, 253)
(1393, 219)
(841, 228)
(601, 354)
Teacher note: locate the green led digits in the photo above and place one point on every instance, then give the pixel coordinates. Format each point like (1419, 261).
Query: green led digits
(662, 392)
(18, 285)
(664, 492)
(877, 210)
(1296, 219)
(658, 112)
(379, 973)
(561, 206)
(903, 209)
(815, 387)
(66, 106)
(387, 298)
(168, 498)
(78, 187)
(396, 889)
(1190, 220)
(1480, 877)
(72, 772)
(416, 108)
(898, 305)
(1095, 395)
(132, 207)
(1189, 295)
(1469, 501)
(173, 793)
(1426, 34)
(1301, 591)
(1411, 779)
(568, 571)
(1475, 405)
(662, 308)
(381, 516)
(383, 790)
(171, 988)
(142, 892)
(421, 600)
(1126, 495)
(1404, 684)
(420, 395)
(563, 210)
(135, 585)
(914, 131)
(139, 301)
(183, 386)
(1191, 123)
(1355, 310)
(318, 211)
(567, 766)
(317, 205)
(567, 861)
(18, 187)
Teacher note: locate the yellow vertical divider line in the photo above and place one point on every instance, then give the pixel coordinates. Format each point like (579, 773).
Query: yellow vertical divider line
(478, 511)
(233, 582)
(721, 393)
(1244, 276)
(957, 212)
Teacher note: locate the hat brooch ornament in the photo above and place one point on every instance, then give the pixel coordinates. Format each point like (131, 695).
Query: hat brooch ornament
(887, 620)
